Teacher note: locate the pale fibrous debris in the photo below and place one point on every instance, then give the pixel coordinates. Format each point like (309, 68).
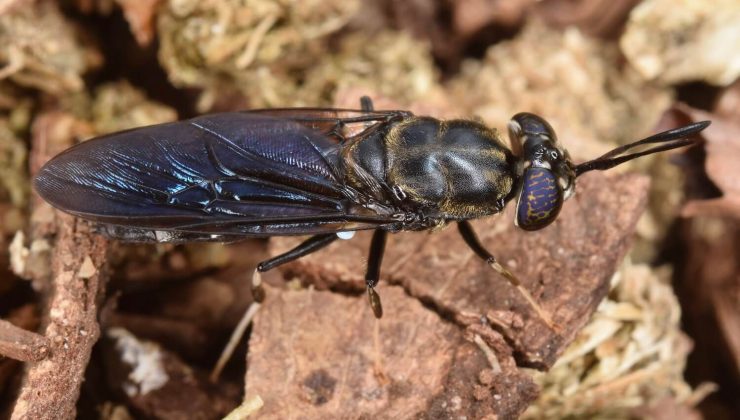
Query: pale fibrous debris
(13, 161)
(388, 63)
(41, 49)
(29, 261)
(246, 409)
(145, 358)
(631, 354)
(253, 46)
(119, 106)
(114, 411)
(18, 254)
(575, 81)
(697, 40)
(87, 269)
(111, 107)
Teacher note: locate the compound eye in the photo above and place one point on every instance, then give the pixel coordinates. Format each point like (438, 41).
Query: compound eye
(540, 199)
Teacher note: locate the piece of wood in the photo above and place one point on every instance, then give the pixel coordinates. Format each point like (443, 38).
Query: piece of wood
(20, 344)
(567, 267)
(51, 387)
(324, 355)
(76, 282)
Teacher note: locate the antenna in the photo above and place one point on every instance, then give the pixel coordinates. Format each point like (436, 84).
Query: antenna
(671, 139)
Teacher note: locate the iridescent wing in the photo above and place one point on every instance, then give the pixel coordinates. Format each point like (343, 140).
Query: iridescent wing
(221, 175)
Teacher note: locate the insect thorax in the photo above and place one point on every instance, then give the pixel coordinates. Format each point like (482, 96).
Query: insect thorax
(446, 169)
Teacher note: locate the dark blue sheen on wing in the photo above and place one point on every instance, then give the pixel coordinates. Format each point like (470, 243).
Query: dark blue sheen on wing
(221, 168)
(540, 199)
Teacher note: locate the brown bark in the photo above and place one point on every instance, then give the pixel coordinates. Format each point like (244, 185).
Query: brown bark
(460, 353)
(77, 280)
(20, 344)
(52, 386)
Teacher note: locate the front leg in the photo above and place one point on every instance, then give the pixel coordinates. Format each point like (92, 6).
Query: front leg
(468, 234)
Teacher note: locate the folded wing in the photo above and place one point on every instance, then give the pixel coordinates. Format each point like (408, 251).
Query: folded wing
(225, 174)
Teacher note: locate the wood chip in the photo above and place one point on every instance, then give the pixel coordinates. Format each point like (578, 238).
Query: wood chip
(566, 266)
(324, 355)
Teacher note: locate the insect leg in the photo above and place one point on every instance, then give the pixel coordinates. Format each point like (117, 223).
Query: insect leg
(366, 104)
(374, 260)
(308, 246)
(468, 234)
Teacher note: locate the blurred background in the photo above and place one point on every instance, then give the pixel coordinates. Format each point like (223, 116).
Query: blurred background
(602, 73)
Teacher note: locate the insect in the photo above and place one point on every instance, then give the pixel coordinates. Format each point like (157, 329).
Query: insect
(325, 173)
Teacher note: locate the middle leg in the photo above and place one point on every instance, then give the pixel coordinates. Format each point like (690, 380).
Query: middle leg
(308, 246)
(372, 276)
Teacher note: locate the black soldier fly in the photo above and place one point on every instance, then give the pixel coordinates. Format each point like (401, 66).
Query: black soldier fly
(323, 172)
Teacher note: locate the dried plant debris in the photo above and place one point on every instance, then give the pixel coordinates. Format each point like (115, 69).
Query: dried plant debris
(260, 47)
(111, 107)
(103, 7)
(187, 298)
(448, 26)
(471, 16)
(602, 18)
(728, 102)
(157, 383)
(145, 360)
(19, 344)
(16, 104)
(710, 287)
(140, 15)
(422, 19)
(27, 318)
(667, 181)
(388, 63)
(722, 154)
(679, 41)
(114, 411)
(13, 159)
(72, 277)
(119, 106)
(41, 49)
(631, 354)
(670, 173)
(258, 55)
(456, 340)
(320, 355)
(577, 82)
(78, 276)
(246, 409)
